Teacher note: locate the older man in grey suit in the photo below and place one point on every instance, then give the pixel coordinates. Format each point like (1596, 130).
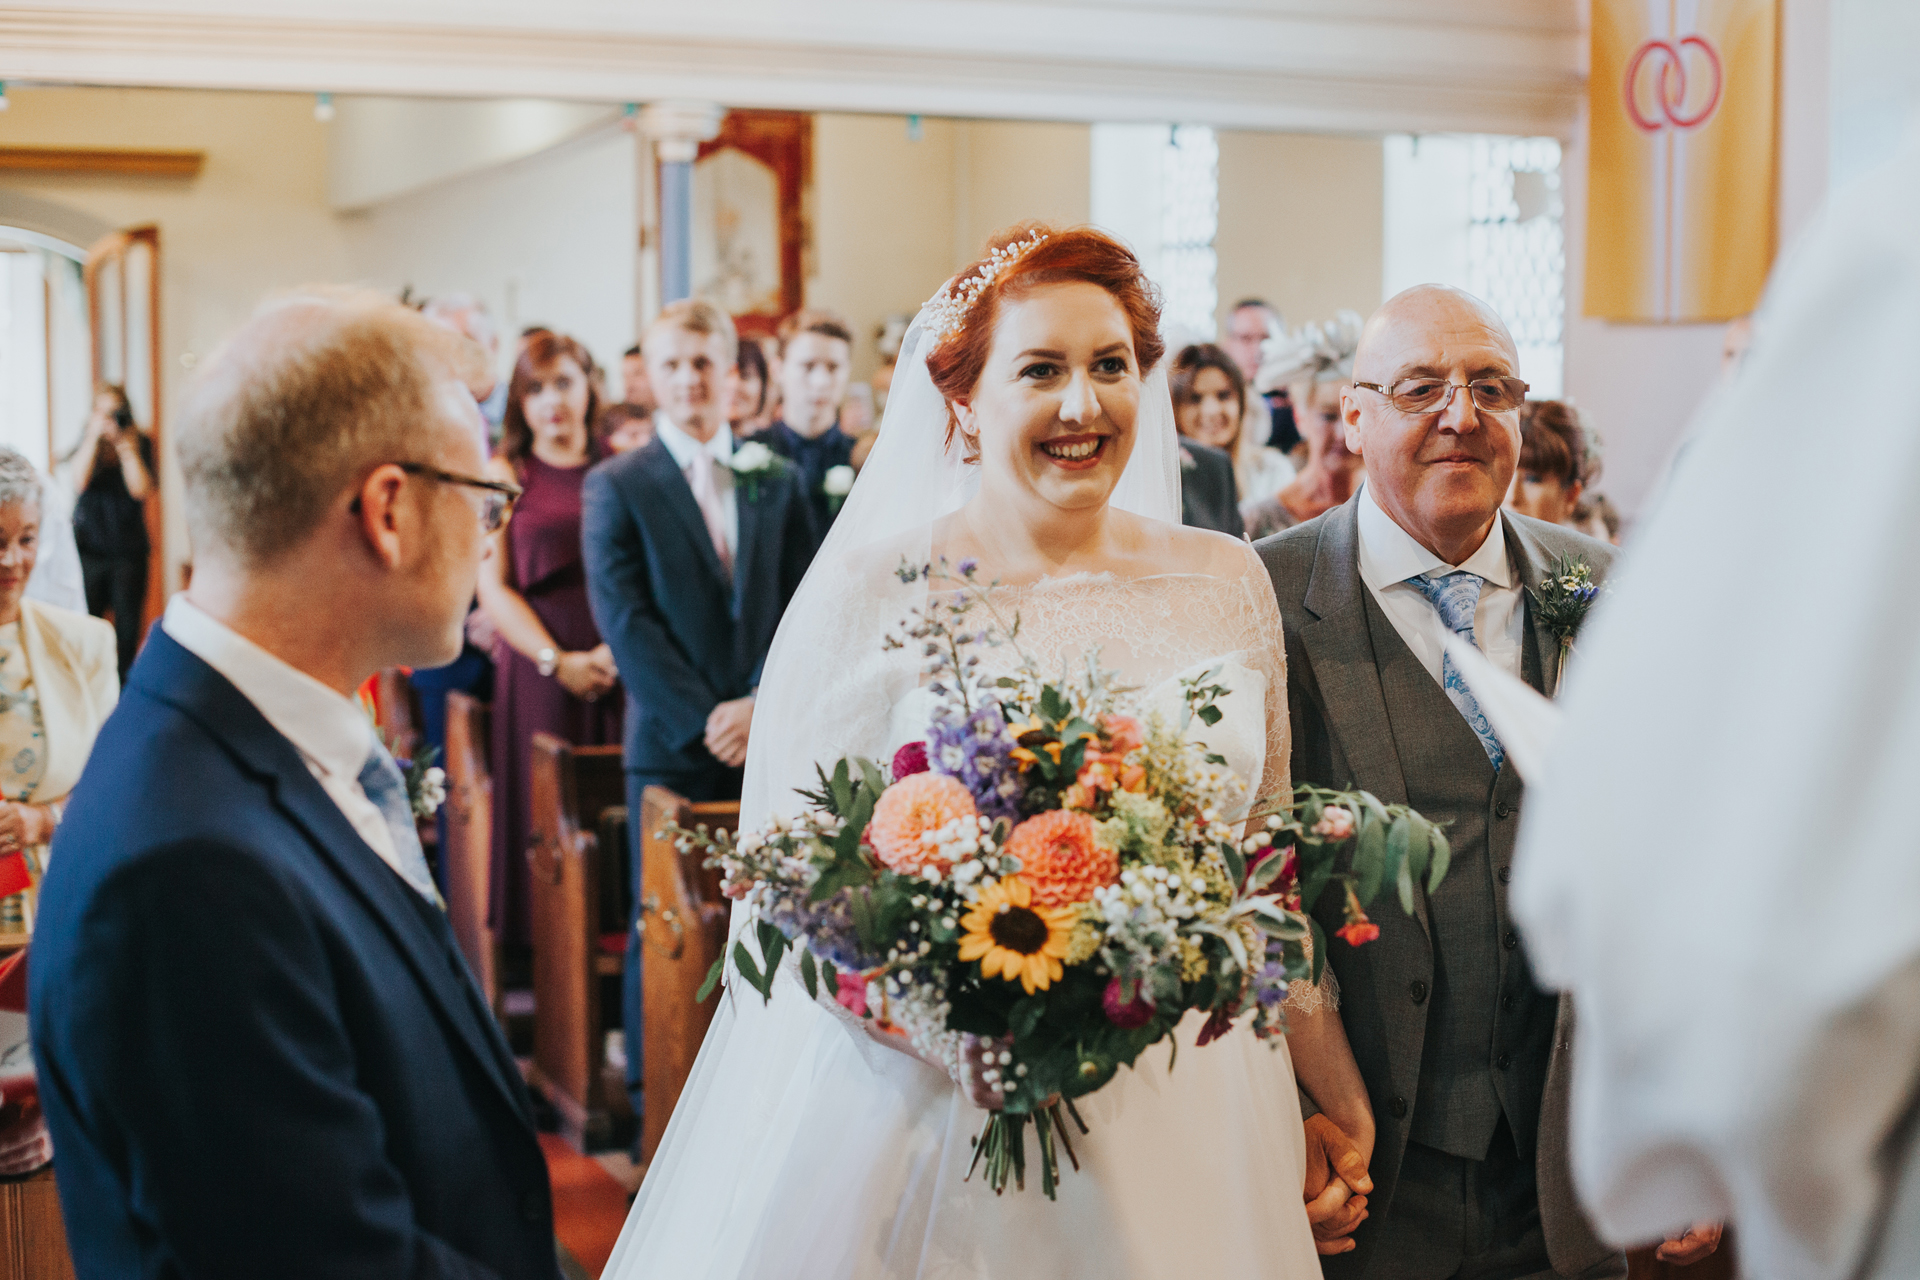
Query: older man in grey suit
(1464, 1056)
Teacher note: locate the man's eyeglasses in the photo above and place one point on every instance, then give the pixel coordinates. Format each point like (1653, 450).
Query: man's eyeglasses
(1422, 396)
(501, 494)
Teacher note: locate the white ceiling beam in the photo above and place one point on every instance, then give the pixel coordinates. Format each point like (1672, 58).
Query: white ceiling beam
(1371, 66)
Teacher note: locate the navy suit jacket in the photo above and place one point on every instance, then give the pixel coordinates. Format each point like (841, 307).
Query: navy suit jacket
(261, 1053)
(684, 637)
(1207, 489)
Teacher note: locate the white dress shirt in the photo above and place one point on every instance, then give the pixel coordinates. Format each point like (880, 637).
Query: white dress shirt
(331, 732)
(683, 447)
(1389, 556)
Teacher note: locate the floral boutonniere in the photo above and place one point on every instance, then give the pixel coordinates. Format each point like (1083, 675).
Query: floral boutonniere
(1186, 460)
(837, 484)
(426, 783)
(1563, 599)
(753, 462)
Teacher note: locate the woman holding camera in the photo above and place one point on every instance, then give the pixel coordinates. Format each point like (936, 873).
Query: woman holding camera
(114, 476)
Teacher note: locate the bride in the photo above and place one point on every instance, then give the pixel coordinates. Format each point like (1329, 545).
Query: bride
(1027, 431)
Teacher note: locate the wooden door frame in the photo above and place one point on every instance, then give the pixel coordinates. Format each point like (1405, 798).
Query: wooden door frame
(113, 248)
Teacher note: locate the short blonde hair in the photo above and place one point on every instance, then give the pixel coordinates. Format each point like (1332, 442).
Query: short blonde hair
(697, 315)
(318, 387)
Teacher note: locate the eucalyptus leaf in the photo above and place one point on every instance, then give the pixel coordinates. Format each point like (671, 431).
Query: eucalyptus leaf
(1209, 714)
(809, 975)
(1369, 860)
(1442, 859)
(1236, 864)
(870, 773)
(743, 961)
(713, 980)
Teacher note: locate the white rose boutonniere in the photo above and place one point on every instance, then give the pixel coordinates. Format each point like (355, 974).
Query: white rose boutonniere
(837, 484)
(753, 462)
(426, 783)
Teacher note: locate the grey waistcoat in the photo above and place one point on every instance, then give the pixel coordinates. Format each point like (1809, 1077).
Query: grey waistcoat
(1489, 1027)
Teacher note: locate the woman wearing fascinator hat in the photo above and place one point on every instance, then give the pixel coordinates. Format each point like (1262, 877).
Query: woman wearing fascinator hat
(1029, 430)
(1312, 363)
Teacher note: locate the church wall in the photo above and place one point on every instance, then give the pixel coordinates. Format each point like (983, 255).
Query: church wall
(894, 217)
(1300, 223)
(255, 220)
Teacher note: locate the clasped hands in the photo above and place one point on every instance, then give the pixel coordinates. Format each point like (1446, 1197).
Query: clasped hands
(727, 727)
(587, 673)
(1337, 1187)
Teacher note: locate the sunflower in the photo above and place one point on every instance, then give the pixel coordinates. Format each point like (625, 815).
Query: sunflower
(1014, 939)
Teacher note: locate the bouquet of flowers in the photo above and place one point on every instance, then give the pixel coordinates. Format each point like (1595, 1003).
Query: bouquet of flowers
(1048, 882)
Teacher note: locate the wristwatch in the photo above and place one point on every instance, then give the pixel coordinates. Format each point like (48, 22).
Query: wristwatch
(548, 660)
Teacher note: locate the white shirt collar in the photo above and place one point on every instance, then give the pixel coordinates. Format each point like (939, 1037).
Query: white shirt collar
(329, 730)
(683, 446)
(1389, 554)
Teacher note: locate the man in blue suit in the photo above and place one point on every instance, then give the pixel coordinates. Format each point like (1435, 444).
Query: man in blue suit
(689, 566)
(260, 1051)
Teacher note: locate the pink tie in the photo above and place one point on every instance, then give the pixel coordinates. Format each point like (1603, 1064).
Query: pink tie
(707, 494)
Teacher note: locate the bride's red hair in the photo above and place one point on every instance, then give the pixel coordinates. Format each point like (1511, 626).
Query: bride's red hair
(1075, 253)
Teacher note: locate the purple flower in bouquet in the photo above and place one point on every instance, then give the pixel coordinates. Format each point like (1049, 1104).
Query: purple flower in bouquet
(977, 750)
(1270, 983)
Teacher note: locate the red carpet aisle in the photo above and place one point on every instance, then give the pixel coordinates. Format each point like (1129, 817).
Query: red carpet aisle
(589, 1205)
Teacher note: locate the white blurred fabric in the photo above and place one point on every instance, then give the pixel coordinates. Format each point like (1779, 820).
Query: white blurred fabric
(1722, 861)
(56, 577)
(800, 1148)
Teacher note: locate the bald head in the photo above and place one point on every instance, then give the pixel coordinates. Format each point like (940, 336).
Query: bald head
(1413, 319)
(317, 388)
(1440, 475)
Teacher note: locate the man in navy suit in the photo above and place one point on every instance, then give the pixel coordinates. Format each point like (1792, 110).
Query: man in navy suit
(260, 1051)
(689, 567)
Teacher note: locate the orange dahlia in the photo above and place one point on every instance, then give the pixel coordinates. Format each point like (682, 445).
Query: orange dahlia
(911, 808)
(1061, 859)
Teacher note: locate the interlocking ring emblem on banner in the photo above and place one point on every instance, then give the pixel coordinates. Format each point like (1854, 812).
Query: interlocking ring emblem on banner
(1670, 57)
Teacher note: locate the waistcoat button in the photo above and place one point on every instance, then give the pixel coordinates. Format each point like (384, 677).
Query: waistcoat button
(1506, 874)
(1503, 810)
(1511, 941)
(1398, 1108)
(1418, 990)
(1503, 1062)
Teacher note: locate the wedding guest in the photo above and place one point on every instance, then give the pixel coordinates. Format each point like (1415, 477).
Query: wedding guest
(688, 570)
(259, 1049)
(1207, 489)
(621, 428)
(527, 335)
(749, 397)
(1250, 326)
(816, 360)
(552, 672)
(467, 315)
(634, 387)
(1332, 474)
(887, 339)
(1466, 1058)
(114, 469)
(1550, 477)
(1209, 405)
(58, 681)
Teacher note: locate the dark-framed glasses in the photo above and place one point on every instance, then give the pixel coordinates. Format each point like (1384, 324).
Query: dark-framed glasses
(1420, 396)
(499, 495)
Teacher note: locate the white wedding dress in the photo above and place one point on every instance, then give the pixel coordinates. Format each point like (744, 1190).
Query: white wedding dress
(801, 1148)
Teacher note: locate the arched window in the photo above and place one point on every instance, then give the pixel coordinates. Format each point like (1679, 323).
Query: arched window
(46, 360)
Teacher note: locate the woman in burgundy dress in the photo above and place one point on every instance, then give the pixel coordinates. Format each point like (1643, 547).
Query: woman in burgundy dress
(552, 672)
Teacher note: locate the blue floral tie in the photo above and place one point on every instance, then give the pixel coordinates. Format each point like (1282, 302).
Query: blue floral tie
(1455, 596)
(386, 786)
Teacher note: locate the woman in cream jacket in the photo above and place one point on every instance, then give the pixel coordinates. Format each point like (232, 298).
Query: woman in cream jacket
(58, 682)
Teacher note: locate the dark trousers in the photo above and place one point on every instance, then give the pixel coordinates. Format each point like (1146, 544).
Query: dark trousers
(117, 583)
(1458, 1219)
(718, 783)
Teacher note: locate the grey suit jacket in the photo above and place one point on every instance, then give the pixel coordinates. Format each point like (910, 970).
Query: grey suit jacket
(1342, 738)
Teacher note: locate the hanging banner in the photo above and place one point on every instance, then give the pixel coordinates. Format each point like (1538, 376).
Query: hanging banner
(1680, 181)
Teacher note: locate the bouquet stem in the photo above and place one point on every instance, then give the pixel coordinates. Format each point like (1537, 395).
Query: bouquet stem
(1002, 1143)
(1560, 666)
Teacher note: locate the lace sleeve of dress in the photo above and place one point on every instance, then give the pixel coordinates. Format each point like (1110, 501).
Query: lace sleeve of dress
(1270, 655)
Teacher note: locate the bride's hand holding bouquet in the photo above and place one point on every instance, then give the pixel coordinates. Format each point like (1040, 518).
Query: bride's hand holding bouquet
(1042, 888)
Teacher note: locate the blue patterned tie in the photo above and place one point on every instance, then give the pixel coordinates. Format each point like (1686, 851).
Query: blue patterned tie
(386, 786)
(1454, 597)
